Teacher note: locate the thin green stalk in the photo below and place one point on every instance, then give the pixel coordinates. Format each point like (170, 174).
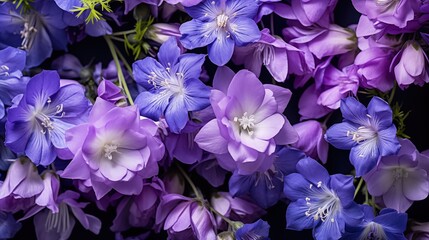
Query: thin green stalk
(272, 24)
(194, 188)
(231, 223)
(127, 66)
(358, 187)
(117, 39)
(123, 32)
(119, 69)
(392, 94)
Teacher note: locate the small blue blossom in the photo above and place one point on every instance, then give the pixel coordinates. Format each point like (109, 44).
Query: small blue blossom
(368, 132)
(319, 201)
(258, 230)
(172, 85)
(8, 226)
(222, 25)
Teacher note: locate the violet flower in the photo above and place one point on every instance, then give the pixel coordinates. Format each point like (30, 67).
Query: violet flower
(319, 201)
(36, 124)
(221, 25)
(172, 84)
(8, 226)
(388, 224)
(400, 179)
(108, 91)
(418, 231)
(311, 12)
(115, 149)
(185, 218)
(411, 65)
(249, 121)
(257, 230)
(311, 139)
(272, 52)
(368, 132)
(266, 187)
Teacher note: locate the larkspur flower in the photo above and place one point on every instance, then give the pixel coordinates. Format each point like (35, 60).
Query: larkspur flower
(388, 224)
(249, 122)
(115, 149)
(172, 85)
(400, 179)
(220, 25)
(36, 124)
(368, 132)
(257, 230)
(319, 201)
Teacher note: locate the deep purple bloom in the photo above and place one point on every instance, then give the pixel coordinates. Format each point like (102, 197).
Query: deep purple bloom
(257, 230)
(114, 150)
(388, 224)
(220, 24)
(108, 91)
(185, 218)
(172, 84)
(8, 226)
(266, 187)
(311, 139)
(368, 132)
(419, 231)
(319, 201)
(400, 179)
(36, 124)
(68, 66)
(249, 122)
(279, 57)
(38, 31)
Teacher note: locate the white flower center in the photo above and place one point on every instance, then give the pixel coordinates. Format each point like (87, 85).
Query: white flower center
(222, 20)
(45, 119)
(173, 84)
(400, 173)
(4, 70)
(264, 51)
(29, 32)
(363, 133)
(373, 231)
(323, 204)
(109, 149)
(246, 123)
(59, 221)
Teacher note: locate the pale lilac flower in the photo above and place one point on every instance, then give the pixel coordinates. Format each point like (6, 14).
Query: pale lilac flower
(249, 121)
(400, 179)
(410, 65)
(272, 52)
(161, 32)
(220, 25)
(108, 91)
(185, 218)
(311, 139)
(308, 103)
(114, 150)
(312, 12)
(368, 132)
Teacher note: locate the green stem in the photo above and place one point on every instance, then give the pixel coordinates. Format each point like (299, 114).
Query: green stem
(358, 187)
(117, 39)
(127, 66)
(231, 223)
(119, 69)
(392, 94)
(272, 24)
(124, 32)
(198, 195)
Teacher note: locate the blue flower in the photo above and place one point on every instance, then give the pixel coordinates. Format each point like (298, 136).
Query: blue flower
(220, 24)
(172, 84)
(389, 224)
(36, 124)
(368, 132)
(319, 201)
(38, 31)
(8, 226)
(266, 188)
(258, 230)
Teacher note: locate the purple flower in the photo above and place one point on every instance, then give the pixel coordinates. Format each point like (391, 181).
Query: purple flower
(220, 24)
(68, 66)
(419, 231)
(311, 12)
(272, 52)
(249, 121)
(257, 230)
(266, 187)
(411, 65)
(389, 224)
(308, 104)
(185, 218)
(114, 150)
(172, 84)
(109, 91)
(8, 226)
(139, 211)
(36, 124)
(320, 201)
(311, 139)
(38, 31)
(368, 132)
(234, 208)
(59, 224)
(209, 169)
(161, 32)
(400, 179)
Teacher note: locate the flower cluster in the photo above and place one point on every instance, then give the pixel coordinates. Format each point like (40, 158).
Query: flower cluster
(213, 119)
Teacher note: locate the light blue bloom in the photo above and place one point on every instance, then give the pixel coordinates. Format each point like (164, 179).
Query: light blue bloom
(172, 84)
(221, 25)
(368, 132)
